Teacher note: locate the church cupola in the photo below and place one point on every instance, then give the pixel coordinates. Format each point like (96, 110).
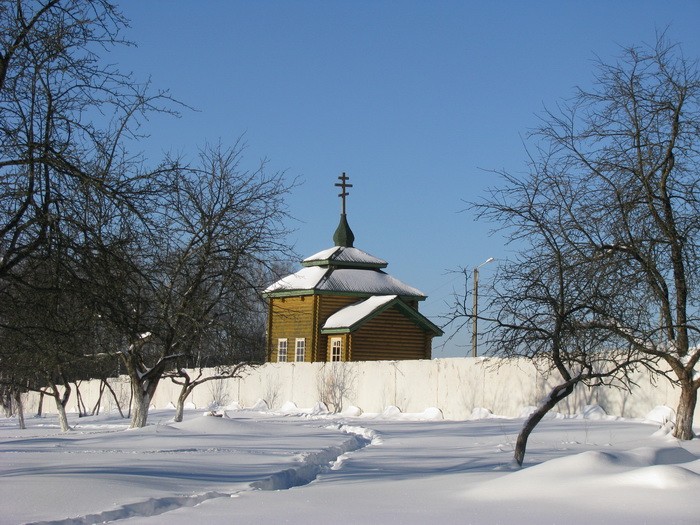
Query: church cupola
(343, 235)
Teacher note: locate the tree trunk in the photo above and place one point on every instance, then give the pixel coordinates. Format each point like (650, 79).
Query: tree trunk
(19, 409)
(61, 402)
(184, 392)
(96, 408)
(142, 390)
(40, 408)
(114, 395)
(684, 414)
(557, 394)
(62, 417)
(140, 401)
(6, 400)
(82, 409)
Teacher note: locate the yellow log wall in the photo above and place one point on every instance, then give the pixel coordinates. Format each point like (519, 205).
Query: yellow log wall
(389, 336)
(291, 318)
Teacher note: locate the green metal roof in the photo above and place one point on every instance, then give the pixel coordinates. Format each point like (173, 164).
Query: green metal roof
(344, 256)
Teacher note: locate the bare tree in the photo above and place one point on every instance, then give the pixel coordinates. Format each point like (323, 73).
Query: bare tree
(46, 334)
(459, 308)
(64, 118)
(11, 400)
(231, 345)
(151, 254)
(211, 230)
(631, 148)
(336, 382)
(6, 396)
(545, 301)
(607, 228)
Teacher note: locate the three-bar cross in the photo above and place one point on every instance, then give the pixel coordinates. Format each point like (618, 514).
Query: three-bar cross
(343, 184)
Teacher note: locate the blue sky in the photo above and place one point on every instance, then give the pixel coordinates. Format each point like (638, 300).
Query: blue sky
(416, 101)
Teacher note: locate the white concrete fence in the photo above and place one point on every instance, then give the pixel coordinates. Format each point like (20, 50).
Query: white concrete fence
(456, 386)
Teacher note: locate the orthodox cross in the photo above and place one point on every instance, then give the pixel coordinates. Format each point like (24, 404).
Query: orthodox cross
(343, 184)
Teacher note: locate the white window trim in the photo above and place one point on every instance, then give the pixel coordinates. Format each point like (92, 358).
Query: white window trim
(282, 344)
(297, 347)
(338, 347)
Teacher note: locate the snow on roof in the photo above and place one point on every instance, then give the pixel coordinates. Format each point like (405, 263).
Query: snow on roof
(352, 317)
(348, 316)
(304, 279)
(347, 255)
(352, 280)
(323, 254)
(370, 281)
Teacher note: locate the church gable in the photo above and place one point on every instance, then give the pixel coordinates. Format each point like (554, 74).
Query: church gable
(389, 336)
(353, 317)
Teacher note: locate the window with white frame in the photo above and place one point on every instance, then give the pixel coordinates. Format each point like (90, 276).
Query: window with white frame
(300, 350)
(281, 350)
(336, 348)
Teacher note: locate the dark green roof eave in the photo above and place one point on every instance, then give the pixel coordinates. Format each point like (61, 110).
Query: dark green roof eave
(342, 264)
(303, 292)
(336, 331)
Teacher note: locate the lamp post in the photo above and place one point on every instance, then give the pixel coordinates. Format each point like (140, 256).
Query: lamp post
(475, 304)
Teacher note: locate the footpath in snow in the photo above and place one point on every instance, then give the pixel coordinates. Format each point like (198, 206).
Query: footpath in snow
(255, 467)
(102, 472)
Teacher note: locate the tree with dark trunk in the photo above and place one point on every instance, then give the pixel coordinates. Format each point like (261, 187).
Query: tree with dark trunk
(631, 149)
(145, 258)
(230, 345)
(65, 119)
(607, 229)
(46, 334)
(544, 302)
(189, 380)
(19, 408)
(196, 270)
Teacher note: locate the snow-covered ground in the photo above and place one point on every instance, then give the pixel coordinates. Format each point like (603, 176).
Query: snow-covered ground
(306, 467)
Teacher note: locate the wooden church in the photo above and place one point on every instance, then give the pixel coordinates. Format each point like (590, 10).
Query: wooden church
(342, 306)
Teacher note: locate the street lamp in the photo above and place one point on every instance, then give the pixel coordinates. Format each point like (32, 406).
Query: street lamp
(475, 305)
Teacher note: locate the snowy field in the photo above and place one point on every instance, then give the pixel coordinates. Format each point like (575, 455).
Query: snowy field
(301, 467)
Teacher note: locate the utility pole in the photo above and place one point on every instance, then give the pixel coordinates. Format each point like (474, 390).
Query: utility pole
(475, 305)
